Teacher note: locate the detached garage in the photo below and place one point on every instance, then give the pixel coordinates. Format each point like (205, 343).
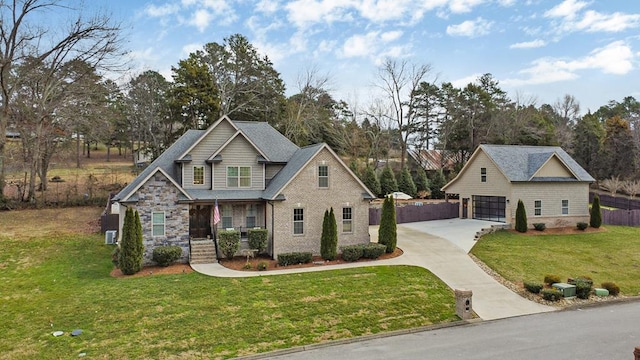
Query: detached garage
(553, 187)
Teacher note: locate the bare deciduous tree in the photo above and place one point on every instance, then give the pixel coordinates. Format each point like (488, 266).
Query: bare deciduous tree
(399, 81)
(94, 40)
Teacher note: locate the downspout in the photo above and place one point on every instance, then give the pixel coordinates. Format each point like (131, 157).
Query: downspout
(272, 227)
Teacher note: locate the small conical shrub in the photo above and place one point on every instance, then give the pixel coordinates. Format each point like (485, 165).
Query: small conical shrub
(521, 217)
(387, 232)
(325, 241)
(131, 248)
(595, 215)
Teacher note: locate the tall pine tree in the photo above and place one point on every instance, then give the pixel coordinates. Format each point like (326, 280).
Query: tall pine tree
(130, 258)
(370, 180)
(595, 218)
(388, 182)
(406, 184)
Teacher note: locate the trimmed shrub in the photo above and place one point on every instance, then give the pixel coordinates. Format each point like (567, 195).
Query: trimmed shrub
(258, 239)
(614, 290)
(539, 226)
(551, 279)
(521, 218)
(166, 255)
(229, 242)
(387, 232)
(373, 250)
(533, 286)
(262, 266)
(551, 294)
(582, 225)
(294, 258)
(131, 246)
(247, 266)
(352, 252)
(595, 215)
(584, 285)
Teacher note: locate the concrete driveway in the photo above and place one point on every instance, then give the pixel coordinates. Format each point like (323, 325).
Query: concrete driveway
(441, 246)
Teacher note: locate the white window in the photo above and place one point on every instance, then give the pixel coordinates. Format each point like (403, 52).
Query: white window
(323, 176)
(537, 208)
(227, 216)
(347, 220)
(483, 174)
(198, 175)
(238, 176)
(157, 224)
(565, 207)
(298, 221)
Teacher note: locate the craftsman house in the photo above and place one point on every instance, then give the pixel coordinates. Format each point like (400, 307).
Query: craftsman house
(552, 186)
(259, 179)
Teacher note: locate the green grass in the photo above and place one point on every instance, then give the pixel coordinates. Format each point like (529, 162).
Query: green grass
(613, 255)
(53, 280)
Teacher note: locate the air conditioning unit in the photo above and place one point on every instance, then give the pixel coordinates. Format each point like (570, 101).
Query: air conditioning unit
(110, 236)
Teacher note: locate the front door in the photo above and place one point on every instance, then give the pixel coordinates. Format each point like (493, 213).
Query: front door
(200, 221)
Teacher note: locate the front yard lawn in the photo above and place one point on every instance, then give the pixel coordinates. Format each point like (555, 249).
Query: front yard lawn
(53, 279)
(612, 255)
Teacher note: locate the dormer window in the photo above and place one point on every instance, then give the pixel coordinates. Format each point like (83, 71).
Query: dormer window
(323, 176)
(483, 174)
(198, 175)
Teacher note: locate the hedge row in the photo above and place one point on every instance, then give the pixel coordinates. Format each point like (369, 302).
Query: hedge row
(294, 258)
(368, 251)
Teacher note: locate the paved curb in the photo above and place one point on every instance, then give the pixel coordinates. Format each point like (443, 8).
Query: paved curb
(303, 348)
(602, 303)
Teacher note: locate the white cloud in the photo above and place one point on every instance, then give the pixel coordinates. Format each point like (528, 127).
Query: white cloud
(464, 6)
(162, 10)
(307, 12)
(267, 6)
(594, 21)
(567, 9)
(616, 58)
(463, 82)
(390, 35)
(360, 45)
(528, 44)
(201, 19)
(190, 48)
(470, 28)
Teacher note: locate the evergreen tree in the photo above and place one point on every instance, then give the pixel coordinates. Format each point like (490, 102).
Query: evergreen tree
(406, 184)
(128, 248)
(387, 232)
(437, 182)
(333, 235)
(521, 218)
(421, 181)
(388, 182)
(324, 238)
(595, 215)
(138, 242)
(370, 180)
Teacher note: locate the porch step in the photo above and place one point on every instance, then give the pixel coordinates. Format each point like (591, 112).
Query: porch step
(202, 252)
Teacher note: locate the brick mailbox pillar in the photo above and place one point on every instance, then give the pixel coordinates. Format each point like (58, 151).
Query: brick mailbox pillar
(636, 353)
(464, 308)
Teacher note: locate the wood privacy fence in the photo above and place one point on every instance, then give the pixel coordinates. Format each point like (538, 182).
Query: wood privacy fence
(621, 217)
(413, 213)
(626, 212)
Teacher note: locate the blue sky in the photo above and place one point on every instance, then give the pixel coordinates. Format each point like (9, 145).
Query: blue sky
(537, 49)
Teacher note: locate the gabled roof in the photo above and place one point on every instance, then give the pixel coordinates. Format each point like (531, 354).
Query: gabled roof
(521, 163)
(299, 159)
(164, 162)
(276, 147)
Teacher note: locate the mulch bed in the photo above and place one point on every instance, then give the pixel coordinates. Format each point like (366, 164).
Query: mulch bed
(239, 262)
(559, 231)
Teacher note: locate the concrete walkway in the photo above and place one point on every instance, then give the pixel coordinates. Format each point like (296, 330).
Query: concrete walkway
(444, 255)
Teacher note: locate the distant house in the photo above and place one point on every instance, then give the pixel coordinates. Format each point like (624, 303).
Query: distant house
(434, 160)
(259, 179)
(552, 186)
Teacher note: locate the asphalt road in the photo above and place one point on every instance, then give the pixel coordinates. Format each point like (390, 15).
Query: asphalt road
(602, 332)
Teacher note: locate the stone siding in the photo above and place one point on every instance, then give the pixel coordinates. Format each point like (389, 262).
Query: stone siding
(160, 195)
